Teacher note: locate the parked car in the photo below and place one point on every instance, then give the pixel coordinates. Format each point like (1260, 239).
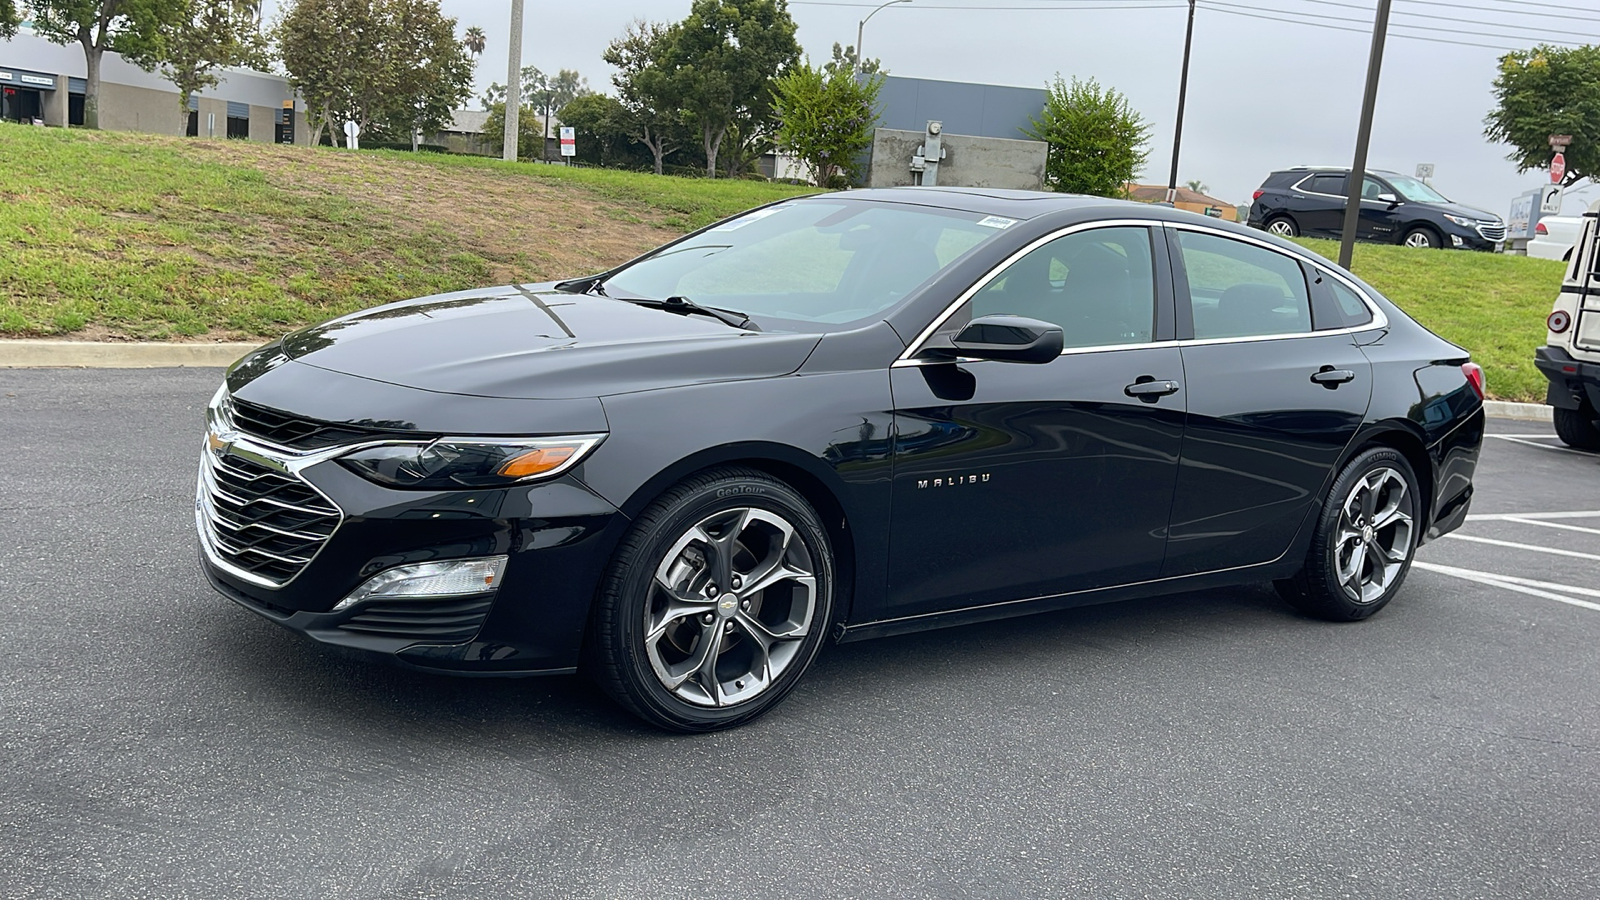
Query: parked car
(833, 418)
(1554, 236)
(1395, 209)
(1570, 359)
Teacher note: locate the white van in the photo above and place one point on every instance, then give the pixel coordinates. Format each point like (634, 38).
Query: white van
(1570, 358)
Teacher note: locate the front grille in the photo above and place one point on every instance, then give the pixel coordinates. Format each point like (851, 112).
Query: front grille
(451, 621)
(259, 520)
(1492, 232)
(287, 430)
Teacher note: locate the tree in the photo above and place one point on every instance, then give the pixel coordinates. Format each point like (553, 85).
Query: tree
(721, 62)
(538, 88)
(393, 64)
(646, 88)
(1097, 141)
(826, 118)
(9, 19)
(129, 27)
(602, 127)
(189, 49)
(1545, 91)
(844, 59)
(475, 40)
(530, 133)
(1196, 185)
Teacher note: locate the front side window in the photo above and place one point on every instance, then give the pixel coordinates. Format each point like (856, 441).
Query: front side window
(1242, 290)
(1098, 285)
(814, 261)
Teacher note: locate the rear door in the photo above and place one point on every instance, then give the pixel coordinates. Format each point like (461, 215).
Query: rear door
(1322, 205)
(1273, 400)
(1014, 481)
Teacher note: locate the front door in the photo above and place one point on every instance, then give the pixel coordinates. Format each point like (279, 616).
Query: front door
(1274, 398)
(1014, 481)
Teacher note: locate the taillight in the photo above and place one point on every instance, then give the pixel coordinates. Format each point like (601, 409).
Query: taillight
(1474, 373)
(1256, 195)
(1540, 229)
(1559, 321)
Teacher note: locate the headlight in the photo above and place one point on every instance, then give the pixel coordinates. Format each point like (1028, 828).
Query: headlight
(470, 462)
(1463, 221)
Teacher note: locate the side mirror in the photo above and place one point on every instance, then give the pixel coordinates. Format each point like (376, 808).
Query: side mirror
(1390, 199)
(1009, 339)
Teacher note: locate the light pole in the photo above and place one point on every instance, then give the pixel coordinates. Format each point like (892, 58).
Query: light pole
(1358, 169)
(513, 84)
(1183, 94)
(862, 26)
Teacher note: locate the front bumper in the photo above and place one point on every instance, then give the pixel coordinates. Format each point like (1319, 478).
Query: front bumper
(557, 537)
(1573, 382)
(1461, 238)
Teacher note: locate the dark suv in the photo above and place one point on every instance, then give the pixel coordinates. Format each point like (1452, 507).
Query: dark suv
(1395, 209)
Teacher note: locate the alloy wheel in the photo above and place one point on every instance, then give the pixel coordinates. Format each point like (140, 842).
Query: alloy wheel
(1373, 541)
(731, 603)
(1281, 228)
(1419, 239)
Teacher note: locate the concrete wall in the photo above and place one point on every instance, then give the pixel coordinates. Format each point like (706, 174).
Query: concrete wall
(969, 161)
(125, 108)
(212, 107)
(982, 110)
(55, 107)
(263, 123)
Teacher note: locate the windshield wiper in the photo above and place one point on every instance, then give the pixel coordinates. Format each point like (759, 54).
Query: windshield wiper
(684, 306)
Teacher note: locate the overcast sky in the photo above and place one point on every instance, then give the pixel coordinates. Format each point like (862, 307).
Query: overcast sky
(1262, 94)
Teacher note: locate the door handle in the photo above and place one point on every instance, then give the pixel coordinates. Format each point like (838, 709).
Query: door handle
(1331, 378)
(1150, 390)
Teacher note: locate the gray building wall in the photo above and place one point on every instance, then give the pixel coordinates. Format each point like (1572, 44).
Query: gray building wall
(263, 123)
(969, 161)
(981, 110)
(127, 108)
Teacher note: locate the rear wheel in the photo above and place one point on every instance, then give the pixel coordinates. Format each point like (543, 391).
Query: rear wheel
(1422, 239)
(1364, 540)
(1576, 428)
(1283, 226)
(716, 603)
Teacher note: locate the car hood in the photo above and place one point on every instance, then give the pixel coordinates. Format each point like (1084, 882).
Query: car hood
(525, 343)
(1466, 212)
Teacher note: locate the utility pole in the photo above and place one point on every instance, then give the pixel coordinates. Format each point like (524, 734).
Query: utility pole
(1183, 95)
(1358, 169)
(513, 84)
(863, 26)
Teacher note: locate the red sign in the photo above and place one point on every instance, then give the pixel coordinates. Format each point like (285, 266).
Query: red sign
(1558, 168)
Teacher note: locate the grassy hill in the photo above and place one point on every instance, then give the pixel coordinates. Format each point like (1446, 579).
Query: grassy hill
(123, 236)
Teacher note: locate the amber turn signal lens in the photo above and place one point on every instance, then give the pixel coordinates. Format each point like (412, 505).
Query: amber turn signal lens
(537, 461)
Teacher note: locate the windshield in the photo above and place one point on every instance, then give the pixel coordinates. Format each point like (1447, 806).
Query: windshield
(827, 261)
(1412, 189)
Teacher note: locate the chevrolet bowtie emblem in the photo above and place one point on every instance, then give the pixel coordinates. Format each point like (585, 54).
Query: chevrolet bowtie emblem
(220, 443)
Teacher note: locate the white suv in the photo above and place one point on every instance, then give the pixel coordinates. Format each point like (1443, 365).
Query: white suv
(1571, 357)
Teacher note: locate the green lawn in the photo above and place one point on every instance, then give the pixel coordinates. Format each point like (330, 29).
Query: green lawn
(1493, 305)
(125, 236)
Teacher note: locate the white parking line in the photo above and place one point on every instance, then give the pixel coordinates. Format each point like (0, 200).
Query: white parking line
(1520, 585)
(1516, 546)
(1511, 439)
(1523, 520)
(1501, 517)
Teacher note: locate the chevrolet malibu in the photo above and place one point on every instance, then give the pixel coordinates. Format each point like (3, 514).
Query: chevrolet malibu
(827, 419)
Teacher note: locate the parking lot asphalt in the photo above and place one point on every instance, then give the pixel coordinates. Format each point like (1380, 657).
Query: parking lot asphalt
(157, 741)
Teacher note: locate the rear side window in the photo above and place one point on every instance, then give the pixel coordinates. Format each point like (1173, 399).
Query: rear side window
(1333, 305)
(1242, 290)
(1327, 184)
(1355, 310)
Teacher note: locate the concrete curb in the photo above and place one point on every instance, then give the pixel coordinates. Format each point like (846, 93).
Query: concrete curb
(20, 354)
(1533, 412)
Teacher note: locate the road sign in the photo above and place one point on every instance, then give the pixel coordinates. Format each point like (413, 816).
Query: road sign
(1560, 142)
(1550, 199)
(569, 141)
(1424, 171)
(1558, 168)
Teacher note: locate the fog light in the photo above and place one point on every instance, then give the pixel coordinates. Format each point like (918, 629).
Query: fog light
(1456, 240)
(451, 578)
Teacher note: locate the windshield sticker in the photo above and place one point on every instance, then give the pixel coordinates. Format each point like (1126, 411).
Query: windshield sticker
(750, 217)
(997, 222)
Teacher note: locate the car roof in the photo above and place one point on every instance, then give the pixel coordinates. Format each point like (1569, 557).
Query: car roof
(1342, 170)
(1012, 204)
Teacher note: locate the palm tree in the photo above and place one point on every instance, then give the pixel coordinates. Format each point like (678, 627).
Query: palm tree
(1198, 186)
(475, 40)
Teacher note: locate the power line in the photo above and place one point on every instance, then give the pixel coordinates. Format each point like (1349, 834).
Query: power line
(1437, 17)
(1132, 4)
(1594, 17)
(1434, 15)
(1404, 24)
(1208, 4)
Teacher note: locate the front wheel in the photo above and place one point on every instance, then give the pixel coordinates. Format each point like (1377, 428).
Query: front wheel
(1363, 544)
(716, 603)
(1576, 428)
(1422, 239)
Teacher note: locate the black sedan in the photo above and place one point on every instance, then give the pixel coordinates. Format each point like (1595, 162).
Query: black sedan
(836, 417)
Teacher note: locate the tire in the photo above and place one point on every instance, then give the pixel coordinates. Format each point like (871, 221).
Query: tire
(1422, 238)
(681, 636)
(1282, 226)
(1352, 571)
(1576, 428)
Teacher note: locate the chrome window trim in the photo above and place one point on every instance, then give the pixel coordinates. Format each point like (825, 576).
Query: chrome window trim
(915, 347)
(1296, 187)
